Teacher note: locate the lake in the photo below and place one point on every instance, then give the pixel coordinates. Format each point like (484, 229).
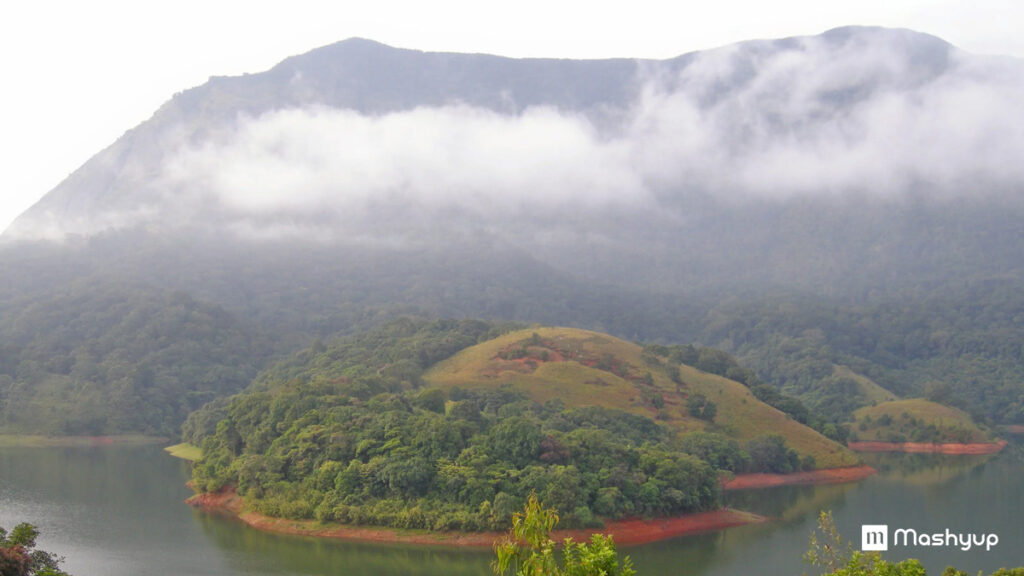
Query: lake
(119, 511)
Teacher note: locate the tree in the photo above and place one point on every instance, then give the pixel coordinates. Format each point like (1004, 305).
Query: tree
(528, 550)
(769, 453)
(431, 399)
(720, 451)
(700, 407)
(18, 556)
(516, 439)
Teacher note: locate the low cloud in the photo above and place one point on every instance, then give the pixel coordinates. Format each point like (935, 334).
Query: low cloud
(308, 161)
(874, 113)
(817, 119)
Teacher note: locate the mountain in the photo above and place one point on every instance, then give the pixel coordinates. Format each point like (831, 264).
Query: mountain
(125, 185)
(804, 162)
(852, 198)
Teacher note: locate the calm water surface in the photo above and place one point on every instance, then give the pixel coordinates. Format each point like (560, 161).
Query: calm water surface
(118, 510)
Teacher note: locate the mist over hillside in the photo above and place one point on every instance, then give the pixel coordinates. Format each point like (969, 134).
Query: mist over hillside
(728, 152)
(856, 173)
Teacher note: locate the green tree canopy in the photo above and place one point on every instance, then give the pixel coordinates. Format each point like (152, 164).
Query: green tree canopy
(20, 557)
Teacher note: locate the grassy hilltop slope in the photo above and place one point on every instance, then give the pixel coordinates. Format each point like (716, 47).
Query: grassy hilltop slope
(866, 387)
(583, 368)
(916, 420)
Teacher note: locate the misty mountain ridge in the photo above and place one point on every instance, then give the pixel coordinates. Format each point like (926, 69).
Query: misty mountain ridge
(726, 152)
(359, 140)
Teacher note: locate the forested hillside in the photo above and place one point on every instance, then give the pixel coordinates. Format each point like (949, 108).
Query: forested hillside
(359, 431)
(96, 358)
(959, 345)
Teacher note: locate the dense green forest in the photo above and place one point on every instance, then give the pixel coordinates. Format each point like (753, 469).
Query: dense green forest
(345, 432)
(956, 345)
(957, 342)
(100, 358)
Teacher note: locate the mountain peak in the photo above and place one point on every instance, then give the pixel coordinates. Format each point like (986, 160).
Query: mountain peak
(750, 100)
(853, 30)
(354, 46)
(896, 37)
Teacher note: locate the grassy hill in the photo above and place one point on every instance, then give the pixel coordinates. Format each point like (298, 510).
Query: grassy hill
(916, 420)
(867, 388)
(583, 368)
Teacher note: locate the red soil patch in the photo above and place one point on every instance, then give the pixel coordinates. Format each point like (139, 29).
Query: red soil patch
(926, 447)
(526, 364)
(225, 500)
(554, 355)
(533, 358)
(827, 476)
(1015, 428)
(634, 531)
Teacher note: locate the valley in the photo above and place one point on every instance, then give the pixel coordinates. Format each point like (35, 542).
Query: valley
(383, 294)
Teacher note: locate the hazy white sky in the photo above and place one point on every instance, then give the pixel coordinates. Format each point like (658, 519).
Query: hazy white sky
(76, 75)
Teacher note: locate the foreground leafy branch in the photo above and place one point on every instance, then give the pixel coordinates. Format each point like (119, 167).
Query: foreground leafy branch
(528, 550)
(18, 556)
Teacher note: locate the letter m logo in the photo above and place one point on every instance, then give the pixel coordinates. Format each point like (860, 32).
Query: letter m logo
(874, 537)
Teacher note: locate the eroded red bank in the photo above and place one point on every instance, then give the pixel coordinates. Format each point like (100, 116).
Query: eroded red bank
(635, 531)
(925, 447)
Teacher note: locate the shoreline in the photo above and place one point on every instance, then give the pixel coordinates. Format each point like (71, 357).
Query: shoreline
(625, 532)
(43, 441)
(825, 476)
(929, 448)
(185, 451)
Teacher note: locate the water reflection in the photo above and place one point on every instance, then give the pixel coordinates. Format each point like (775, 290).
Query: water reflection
(285, 554)
(789, 503)
(119, 511)
(924, 469)
(979, 494)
